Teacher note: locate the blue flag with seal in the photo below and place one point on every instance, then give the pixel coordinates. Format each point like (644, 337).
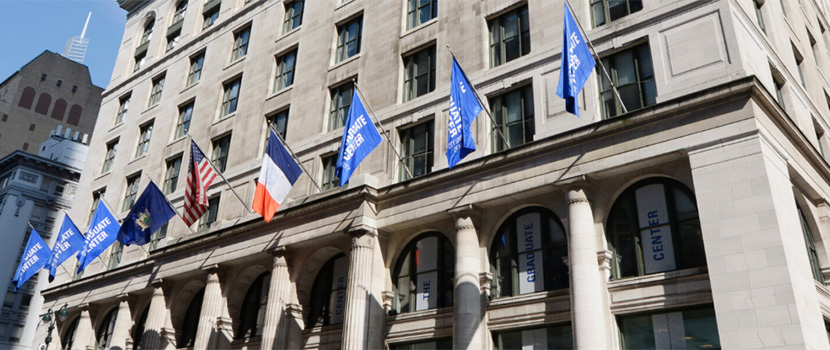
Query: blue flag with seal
(149, 213)
(464, 108)
(577, 64)
(69, 242)
(102, 233)
(360, 137)
(34, 258)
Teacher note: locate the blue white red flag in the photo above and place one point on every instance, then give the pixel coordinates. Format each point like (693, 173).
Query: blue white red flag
(278, 174)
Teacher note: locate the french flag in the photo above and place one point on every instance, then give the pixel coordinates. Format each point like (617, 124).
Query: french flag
(278, 174)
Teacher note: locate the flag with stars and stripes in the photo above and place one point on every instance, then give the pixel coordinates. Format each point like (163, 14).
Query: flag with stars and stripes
(200, 175)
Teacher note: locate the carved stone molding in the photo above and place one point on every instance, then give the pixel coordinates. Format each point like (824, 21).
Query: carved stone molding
(486, 281)
(388, 299)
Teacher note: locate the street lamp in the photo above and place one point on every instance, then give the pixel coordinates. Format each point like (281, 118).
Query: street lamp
(49, 317)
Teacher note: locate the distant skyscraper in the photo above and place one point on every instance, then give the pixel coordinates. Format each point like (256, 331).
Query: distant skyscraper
(76, 46)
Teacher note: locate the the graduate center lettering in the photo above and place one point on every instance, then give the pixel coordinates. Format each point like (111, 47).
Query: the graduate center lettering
(63, 243)
(531, 266)
(573, 62)
(98, 234)
(354, 138)
(31, 258)
(455, 120)
(655, 232)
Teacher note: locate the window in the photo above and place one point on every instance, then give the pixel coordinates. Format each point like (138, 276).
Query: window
(27, 97)
(42, 77)
(148, 33)
(330, 178)
(145, 132)
(171, 176)
(759, 15)
(188, 333)
(155, 93)
(183, 123)
(419, 73)
(138, 329)
(293, 15)
(59, 83)
(173, 39)
(416, 149)
(778, 83)
(74, 115)
(605, 11)
(139, 60)
(115, 255)
(210, 216)
(783, 9)
(195, 72)
(285, 70)
(420, 11)
(513, 112)
(178, 16)
(123, 106)
(43, 103)
(799, 60)
(130, 192)
(550, 337)
(59, 110)
(252, 316)
(104, 333)
(819, 136)
(279, 123)
(424, 274)
(157, 236)
(526, 255)
(654, 227)
(231, 97)
(210, 15)
(69, 335)
(328, 294)
(240, 43)
(96, 197)
(112, 148)
(220, 152)
(348, 39)
(633, 75)
(441, 344)
(341, 101)
(509, 36)
(684, 329)
(815, 263)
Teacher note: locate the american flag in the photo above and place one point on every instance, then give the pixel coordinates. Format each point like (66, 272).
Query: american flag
(200, 174)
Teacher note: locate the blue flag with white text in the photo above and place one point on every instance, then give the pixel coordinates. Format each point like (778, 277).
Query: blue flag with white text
(69, 242)
(149, 213)
(101, 235)
(464, 108)
(577, 64)
(34, 258)
(360, 137)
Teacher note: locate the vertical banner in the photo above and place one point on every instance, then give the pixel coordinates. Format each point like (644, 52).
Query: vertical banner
(655, 232)
(426, 266)
(535, 339)
(338, 286)
(529, 243)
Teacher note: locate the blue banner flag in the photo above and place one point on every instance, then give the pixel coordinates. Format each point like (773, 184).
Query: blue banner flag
(69, 242)
(464, 108)
(34, 258)
(102, 233)
(149, 213)
(577, 64)
(360, 137)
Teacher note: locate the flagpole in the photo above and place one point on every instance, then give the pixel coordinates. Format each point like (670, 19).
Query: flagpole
(599, 60)
(174, 210)
(223, 178)
(485, 107)
(295, 158)
(372, 112)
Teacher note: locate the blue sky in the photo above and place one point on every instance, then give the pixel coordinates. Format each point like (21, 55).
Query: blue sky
(31, 26)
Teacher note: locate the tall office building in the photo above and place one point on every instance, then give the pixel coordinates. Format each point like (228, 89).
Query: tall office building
(76, 46)
(693, 218)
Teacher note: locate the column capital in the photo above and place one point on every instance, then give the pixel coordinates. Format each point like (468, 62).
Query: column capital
(278, 251)
(359, 230)
(123, 297)
(158, 283)
(211, 269)
(579, 182)
(464, 211)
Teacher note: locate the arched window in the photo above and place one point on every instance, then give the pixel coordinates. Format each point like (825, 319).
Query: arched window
(59, 110)
(527, 252)
(148, 32)
(105, 328)
(69, 335)
(328, 295)
(74, 115)
(191, 320)
(654, 227)
(424, 274)
(252, 316)
(27, 97)
(43, 103)
(815, 264)
(138, 329)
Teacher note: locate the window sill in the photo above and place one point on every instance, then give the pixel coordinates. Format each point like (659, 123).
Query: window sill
(639, 281)
(137, 159)
(290, 32)
(103, 175)
(346, 61)
(235, 62)
(420, 314)
(116, 126)
(419, 27)
(343, 4)
(525, 298)
(221, 119)
(189, 87)
(280, 92)
(150, 108)
(177, 140)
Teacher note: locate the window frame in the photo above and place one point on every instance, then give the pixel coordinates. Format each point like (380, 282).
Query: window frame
(444, 269)
(291, 16)
(407, 138)
(810, 243)
(606, 11)
(413, 10)
(130, 191)
(230, 101)
(500, 110)
(343, 41)
(340, 104)
(643, 81)
(220, 152)
(282, 73)
(109, 157)
(318, 309)
(156, 90)
(194, 73)
(183, 120)
(496, 34)
(252, 310)
(411, 63)
(145, 133)
(211, 215)
(329, 178)
(241, 39)
(123, 108)
(116, 252)
(172, 173)
(187, 336)
(105, 329)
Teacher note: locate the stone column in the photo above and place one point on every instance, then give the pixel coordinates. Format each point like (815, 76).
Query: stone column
(587, 290)
(275, 329)
(84, 334)
(156, 317)
(358, 289)
(123, 323)
(468, 315)
(211, 307)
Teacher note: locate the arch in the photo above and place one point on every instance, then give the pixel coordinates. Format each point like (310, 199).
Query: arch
(106, 326)
(527, 253)
(328, 294)
(494, 230)
(43, 103)
(252, 315)
(27, 98)
(137, 332)
(306, 271)
(68, 334)
(187, 334)
(807, 229)
(423, 274)
(653, 226)
(75, 115)
(59, 110)
(179, 303)
(238, 289)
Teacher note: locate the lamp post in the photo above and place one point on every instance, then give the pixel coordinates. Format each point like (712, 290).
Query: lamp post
(49, 317)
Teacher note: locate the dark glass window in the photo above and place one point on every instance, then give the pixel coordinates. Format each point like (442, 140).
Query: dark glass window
(123, 106)
(147, 34)
(155, 93)
(812, 253)
(513, 112)
(683, 329)
(417, 149)
(420, 11)
(183, 123)
(654, 227)
(330, 178)
(293, 15)
(220, 152)
(632, 73)
(210, 216)
(109, 158)
(210, 17)
(759, 15)
(419, 73)
(144, 135)
(157, 236)
(195, 72)
(138, 329)
(189, 327)
(130, 192)
(173, 39)
(605, 11)
(178, 16)
(139, 58)
(171, 176)
(341, 101)
(279, 123)
(116, 250)
(68, 338)
(240, 44)
(252, 316)
(104, 333)
(327, 304)
(509, 36)
(550, 337)
(348, 39)
(96, 197)
(285, 70)
(231, 97)
(424, 274)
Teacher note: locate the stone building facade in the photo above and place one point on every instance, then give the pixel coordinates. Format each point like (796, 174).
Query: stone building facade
(694, 220)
